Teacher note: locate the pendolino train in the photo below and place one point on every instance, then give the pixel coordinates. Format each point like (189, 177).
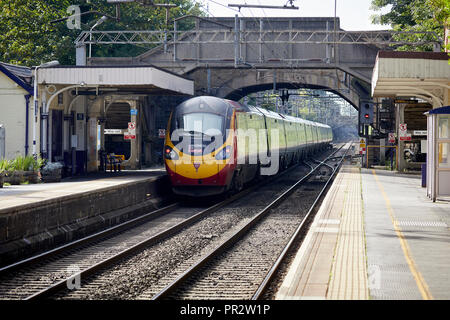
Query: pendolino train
(214, 145)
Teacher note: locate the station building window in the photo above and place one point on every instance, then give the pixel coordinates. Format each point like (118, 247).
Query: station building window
(444, 161)
(444, 141)
(443, 127)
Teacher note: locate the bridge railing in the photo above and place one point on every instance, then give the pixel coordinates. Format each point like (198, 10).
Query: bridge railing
(383, 38)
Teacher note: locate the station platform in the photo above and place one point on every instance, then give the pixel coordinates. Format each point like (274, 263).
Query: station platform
(38, 217)
(376, 236)
(31, 194)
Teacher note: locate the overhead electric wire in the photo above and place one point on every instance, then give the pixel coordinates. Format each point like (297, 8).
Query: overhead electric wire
(276, 53)
(223, 5)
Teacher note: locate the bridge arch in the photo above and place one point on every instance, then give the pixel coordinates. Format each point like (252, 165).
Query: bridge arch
(236, 83)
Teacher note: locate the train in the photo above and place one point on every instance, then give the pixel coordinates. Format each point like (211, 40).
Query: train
(214, 146)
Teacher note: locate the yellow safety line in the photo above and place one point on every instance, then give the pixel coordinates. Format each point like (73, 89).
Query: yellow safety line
(420, 281)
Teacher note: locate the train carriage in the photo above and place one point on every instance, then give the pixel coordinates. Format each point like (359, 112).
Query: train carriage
(214, 145)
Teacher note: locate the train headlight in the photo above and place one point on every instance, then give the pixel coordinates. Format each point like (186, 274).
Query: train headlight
(170, 154)
(223, 154)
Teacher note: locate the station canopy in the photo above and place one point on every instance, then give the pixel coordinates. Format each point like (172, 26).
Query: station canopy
(121, 79)
(425, 75)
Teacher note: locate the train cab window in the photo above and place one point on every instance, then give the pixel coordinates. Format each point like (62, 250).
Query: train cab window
(200, 122)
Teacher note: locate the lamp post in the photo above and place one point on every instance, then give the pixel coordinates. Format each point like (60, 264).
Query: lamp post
(99, 22)
(35, 98)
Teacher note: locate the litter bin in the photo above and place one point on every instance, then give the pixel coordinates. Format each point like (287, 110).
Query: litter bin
(424, 175)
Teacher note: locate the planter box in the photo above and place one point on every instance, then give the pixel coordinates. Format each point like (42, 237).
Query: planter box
(31, 176)
(15, 177)
(2, 179)
(18, 177)
(51, 176)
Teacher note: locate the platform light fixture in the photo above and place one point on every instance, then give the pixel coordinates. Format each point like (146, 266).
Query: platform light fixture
(35, 97)
(99, 22)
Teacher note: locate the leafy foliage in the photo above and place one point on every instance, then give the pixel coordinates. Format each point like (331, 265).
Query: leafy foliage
(415, 15)
(20, 163)
(29, 37)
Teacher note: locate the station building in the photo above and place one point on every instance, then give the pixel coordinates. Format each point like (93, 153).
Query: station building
(87, 112)
(426, 77)
(16, 96)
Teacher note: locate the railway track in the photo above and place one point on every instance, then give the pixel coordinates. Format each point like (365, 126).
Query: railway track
(88, 259)
(243, 265)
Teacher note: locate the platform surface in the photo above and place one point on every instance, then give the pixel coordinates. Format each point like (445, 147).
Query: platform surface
(17, 195)
(375, 236)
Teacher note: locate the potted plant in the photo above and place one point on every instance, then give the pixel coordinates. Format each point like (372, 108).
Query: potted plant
(16, 170)
(3, 167)
(33, 169)
(51, 172)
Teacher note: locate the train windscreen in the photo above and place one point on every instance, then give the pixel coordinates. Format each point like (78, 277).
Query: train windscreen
(206, 123)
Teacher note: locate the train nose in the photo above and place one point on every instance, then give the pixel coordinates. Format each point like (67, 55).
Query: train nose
(197, 167)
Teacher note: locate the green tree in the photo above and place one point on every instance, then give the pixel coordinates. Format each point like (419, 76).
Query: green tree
(29, 35)
(415, 15)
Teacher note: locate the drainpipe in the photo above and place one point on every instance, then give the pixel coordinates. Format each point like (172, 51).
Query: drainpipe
(27, 112)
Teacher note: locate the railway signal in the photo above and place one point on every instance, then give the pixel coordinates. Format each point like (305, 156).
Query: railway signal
(366, 113)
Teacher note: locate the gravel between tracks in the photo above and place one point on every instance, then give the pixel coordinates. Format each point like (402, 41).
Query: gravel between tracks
(237, 273)
(143, 275)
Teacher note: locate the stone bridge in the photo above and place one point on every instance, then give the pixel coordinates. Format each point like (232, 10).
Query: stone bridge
(232, 57)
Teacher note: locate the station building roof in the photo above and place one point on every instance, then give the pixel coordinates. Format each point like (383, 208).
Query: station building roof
(442, 110)
(19, 74)
(139, 79)
(420, 74)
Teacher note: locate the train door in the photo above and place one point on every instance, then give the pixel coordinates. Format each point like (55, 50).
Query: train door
(242, 147)
(264, 146)
(283, 141)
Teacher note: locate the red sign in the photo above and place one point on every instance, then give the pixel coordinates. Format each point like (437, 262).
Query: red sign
(407, 138)
(129, 136)
(391, 137)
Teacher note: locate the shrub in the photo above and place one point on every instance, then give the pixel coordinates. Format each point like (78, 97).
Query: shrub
(4, 165)
(21, 163)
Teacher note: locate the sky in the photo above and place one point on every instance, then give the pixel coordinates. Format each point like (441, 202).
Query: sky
(354, 14)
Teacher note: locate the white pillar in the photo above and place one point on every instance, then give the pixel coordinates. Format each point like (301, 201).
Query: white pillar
(44, 116)
(66, 137)
(401, 144)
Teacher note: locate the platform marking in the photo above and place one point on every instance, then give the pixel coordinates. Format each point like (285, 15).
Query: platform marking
(325, 229)
(329, 221)
(420, 281)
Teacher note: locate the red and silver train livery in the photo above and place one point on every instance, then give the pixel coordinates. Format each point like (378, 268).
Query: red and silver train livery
(206, 152)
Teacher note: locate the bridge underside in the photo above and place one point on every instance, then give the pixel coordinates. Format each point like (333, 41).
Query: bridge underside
(230, 58)
(236, 83)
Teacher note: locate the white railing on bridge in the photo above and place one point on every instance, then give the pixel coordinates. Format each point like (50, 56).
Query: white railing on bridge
(384, 38)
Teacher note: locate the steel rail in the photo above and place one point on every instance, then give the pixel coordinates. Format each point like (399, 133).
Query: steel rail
(89, 239)
(267, 280)
(170, 288)
(60, 285)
